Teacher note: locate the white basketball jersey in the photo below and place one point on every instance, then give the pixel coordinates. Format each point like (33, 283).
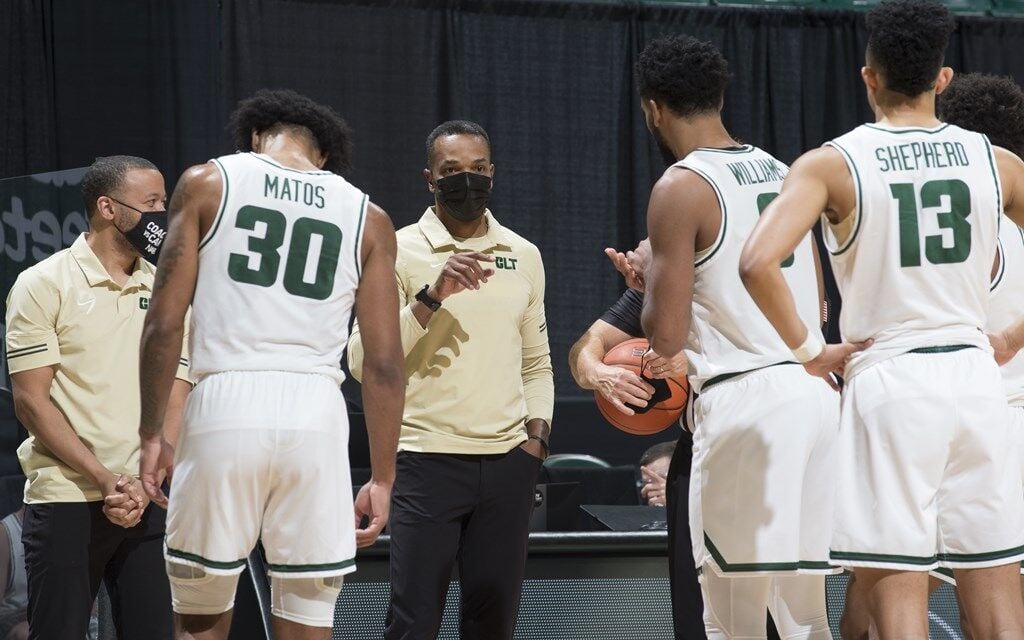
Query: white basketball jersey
(728, 333)
(1006, 305)
(278, 270)
(914, 271)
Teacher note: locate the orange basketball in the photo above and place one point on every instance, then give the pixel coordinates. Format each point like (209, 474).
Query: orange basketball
(662, 410)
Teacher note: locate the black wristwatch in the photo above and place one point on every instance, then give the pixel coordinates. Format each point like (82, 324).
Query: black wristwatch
(427, 301)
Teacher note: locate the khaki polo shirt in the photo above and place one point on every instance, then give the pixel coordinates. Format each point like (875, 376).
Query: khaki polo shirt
(481, 368)
(66, 312)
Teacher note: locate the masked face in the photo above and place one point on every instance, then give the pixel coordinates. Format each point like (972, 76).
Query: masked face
(147, 235)
(465, 195)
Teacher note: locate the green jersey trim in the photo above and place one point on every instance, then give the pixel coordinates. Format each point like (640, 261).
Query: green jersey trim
(1001, 254)
(858, 210)
(359, 237)
(284, 168)
(746, 567)
(223, 206)
(877, 127)
(720, 240)
(995, 179)
(747, 148)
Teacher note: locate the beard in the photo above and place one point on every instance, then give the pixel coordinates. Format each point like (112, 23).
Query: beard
(125, 221)
(666, 154)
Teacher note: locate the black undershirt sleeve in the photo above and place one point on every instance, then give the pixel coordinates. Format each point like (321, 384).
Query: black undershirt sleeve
(624, 315)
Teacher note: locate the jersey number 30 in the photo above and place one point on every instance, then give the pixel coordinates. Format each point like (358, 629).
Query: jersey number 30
(302, 277)
(953, 218)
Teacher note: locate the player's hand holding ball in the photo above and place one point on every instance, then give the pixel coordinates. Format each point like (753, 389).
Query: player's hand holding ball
(462, 271)
(622, 387)
(373, 502)
(661, 367)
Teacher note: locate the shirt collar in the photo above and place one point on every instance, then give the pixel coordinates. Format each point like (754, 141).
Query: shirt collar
(96, 274)
(440, 238)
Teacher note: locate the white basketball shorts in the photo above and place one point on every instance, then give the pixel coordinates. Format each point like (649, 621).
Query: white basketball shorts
(929, 470)
(762, 487)
(263, 455)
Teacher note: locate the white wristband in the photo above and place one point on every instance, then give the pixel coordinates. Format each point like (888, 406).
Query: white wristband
(810, 349)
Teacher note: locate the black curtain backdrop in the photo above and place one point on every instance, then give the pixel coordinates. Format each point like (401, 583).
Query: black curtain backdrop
(552, 82)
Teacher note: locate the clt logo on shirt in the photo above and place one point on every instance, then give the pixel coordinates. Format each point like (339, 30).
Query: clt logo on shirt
(505, 263)
(143, 303)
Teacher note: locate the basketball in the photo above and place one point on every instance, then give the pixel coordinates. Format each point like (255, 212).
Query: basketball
(662, 410)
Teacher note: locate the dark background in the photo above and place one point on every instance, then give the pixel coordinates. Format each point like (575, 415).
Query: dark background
(552, 82)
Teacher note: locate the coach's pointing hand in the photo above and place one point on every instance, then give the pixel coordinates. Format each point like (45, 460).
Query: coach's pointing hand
(461, 271)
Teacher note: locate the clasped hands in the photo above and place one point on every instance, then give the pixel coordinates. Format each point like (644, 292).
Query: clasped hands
(124, 500)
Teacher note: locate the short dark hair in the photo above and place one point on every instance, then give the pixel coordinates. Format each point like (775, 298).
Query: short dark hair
(988, 104)
(907, 43)
(283, 108)
(106, 175)
(455, 128)
(686, 74)
(660, 450)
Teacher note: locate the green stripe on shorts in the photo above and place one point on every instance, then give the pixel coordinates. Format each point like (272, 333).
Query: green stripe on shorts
(726, 567)
(946, 349)
(310, 568)
(213, 564)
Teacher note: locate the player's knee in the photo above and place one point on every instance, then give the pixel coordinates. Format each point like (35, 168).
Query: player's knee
(195, 592)
(308, 601)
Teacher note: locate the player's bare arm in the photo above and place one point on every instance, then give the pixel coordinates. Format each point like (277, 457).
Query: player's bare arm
(195, 199)
(619, 386)
(1010, 340)
(818, 181)
(680, 201)
(383, 370)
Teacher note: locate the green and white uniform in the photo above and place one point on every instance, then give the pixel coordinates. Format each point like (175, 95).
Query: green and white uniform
(765, 430)
(264, 444)
(926, 478)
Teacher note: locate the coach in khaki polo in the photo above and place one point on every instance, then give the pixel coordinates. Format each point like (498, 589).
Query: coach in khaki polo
(74, 322)
(66, 312)
(478, 402)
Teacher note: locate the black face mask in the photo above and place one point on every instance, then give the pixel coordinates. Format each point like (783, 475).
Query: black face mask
(147, 236)
(464, 195)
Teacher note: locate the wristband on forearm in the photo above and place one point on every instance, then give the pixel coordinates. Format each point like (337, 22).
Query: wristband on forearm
(810, 349)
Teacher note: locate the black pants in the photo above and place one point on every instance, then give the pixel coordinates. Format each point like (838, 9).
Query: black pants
(475, 509)
(687, 602)
(70, 547)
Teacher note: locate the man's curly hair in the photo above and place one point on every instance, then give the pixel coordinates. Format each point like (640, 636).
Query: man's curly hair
(686, 74)
(907, 42)
(270, 108)
(988, 104)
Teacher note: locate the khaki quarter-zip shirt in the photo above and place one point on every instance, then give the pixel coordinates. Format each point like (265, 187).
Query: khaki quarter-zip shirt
(482, 367)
